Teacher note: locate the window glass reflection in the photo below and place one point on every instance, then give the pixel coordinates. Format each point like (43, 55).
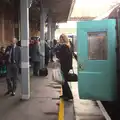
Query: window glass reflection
(97, 45)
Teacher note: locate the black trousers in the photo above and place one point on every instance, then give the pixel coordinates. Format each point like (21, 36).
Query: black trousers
(51, 55)
(11, 84)
(46, 60)
(12, 76)
(65, 87)
(36, 67)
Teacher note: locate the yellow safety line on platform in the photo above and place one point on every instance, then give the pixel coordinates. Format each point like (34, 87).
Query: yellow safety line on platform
(61, 108)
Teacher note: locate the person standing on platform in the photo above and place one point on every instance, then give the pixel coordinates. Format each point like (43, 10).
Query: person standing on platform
(13, 62)
(65, 57)
(35, 57)
(53, 44)
(47, 51)
(2, 62)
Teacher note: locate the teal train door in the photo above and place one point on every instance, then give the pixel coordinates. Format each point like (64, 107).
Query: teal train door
(97, 60)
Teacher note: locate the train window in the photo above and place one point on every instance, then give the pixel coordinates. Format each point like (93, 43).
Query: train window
(97, 45)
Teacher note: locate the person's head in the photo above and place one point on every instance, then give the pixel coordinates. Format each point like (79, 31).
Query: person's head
(14, 41)
(64, 40)
(55, 41)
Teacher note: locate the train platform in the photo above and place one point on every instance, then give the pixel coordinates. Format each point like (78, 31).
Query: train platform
(86, 109)
(43, 104)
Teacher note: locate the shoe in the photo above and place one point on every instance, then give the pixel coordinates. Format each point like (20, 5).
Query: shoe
(68, 99)
(7, 93)
(61, 96)
(13, 94)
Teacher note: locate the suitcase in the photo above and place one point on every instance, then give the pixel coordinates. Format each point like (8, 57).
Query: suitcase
(43, 72)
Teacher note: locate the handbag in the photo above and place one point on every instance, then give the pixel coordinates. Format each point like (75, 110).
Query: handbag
(72, 77)
(57, 76)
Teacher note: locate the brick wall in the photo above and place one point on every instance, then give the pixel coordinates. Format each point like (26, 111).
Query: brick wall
(7, 33)
(6, 28)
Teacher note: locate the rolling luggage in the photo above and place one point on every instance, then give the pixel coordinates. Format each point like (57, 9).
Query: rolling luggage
(43, 72)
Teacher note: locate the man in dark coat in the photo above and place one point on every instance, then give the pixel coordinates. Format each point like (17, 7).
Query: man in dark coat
(47, 51)
(35, 57)
(13, 62)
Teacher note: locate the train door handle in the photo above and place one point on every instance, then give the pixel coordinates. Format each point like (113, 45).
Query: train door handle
(80, 67)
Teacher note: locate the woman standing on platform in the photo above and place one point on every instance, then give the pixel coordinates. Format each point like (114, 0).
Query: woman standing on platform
(65, 57)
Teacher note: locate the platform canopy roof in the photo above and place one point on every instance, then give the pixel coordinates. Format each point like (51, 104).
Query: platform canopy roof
(60, 10)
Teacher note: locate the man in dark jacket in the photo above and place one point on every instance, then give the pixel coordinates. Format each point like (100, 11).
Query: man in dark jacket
(47, 49)
(13, 62)
(35, 57)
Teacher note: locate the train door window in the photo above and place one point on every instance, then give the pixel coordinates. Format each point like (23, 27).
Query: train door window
(97, 45)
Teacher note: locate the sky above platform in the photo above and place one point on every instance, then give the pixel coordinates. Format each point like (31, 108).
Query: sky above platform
(92, 7)
(93, 3)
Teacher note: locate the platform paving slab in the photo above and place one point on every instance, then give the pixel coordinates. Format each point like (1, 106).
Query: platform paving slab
(69, 111)
(84, 109)
(41, 105)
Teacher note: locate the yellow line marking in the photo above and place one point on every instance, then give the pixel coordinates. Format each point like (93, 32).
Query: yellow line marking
(61, 108)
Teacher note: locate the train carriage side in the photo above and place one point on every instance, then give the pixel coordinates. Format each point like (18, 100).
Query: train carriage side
(84, 31)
